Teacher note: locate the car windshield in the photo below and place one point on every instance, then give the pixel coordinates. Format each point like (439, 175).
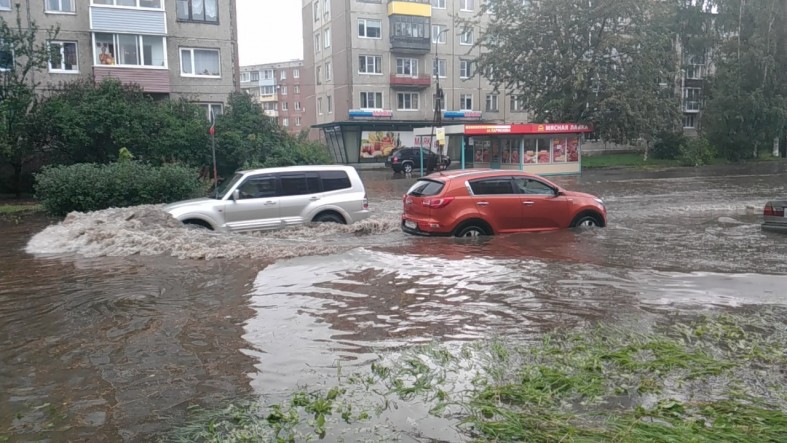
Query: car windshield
(225, 186)
(425, 188)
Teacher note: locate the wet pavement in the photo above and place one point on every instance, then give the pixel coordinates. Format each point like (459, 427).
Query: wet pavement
(113, 323)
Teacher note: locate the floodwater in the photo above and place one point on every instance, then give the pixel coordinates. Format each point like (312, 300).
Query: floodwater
(113, 323)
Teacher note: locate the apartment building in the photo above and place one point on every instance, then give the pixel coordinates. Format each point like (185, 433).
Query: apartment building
(171, 48)
(372, 67)
(277, 88)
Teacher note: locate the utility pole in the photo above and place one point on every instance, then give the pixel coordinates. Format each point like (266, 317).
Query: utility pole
(437, 119)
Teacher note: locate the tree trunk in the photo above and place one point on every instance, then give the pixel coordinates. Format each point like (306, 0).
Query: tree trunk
(17, 180)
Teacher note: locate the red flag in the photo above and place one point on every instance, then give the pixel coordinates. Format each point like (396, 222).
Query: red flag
(212, 129)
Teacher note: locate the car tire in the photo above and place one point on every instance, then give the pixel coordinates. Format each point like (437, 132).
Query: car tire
(586, 221)
(471, 230)
(407, 167)
(197, 224)
(329, 217)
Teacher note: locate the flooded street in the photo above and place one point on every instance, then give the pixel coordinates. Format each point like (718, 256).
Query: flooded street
(113, 324)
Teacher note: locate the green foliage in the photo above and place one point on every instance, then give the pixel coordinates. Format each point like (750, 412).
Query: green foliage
(669, 145)
(90, 187)
(697, 151)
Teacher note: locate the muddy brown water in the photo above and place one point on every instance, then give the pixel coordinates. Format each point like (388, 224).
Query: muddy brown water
(113, 323)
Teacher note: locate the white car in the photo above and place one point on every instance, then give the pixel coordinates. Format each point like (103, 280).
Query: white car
(774, 216)
(275, 198)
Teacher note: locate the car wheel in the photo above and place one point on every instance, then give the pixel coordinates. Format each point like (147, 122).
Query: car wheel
(197, 224)
(329, 217)
(407, 168)
(587, 220)
(470, 231)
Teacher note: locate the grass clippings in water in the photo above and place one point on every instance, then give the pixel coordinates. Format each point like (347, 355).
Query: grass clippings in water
(703, 379)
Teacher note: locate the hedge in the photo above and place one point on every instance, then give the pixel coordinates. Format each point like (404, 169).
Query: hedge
(90, 187)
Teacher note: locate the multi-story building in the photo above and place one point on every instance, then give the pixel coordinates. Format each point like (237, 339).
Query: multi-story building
(372, 67)
(171, 48)
(277, 88)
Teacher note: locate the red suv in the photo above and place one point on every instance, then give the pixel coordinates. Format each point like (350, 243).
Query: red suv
(472, 202)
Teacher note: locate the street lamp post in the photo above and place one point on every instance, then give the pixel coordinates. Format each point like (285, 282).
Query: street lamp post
(438, 103)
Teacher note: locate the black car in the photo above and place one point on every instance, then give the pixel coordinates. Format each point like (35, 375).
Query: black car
(408, 159)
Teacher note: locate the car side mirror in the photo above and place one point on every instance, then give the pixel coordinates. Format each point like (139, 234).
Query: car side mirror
(236, 195)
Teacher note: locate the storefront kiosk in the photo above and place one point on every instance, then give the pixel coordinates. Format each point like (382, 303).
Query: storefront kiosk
(540, 148)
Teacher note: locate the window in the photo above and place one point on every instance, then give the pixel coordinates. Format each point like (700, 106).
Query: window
(155, 4)
(327, 38)
(330, 104)
(334, 180)
(438, 67)
(491, 103)
(296, 89)
(695, 67)
(328, 73)
(255, 76)
(283, 74)
(5, 5)
(466, 5)
(407, 101)
(466, 102)
(267, 74)
(129, 50)
(297, 106)
(59, 5)
(317, 47)
(532, 187)
(198, 10)
(296, 73)
(267, 91)
(371, 100)
(691, 99)
(466, 37)
(517, 103)
(199, 62)
(689, 121)
(284, 106)
(439, 34)
(316, 10)
(67, 62)
(368, 28)
(465, 69)
(319, 105)
(212, 108)
(405, 26)
(438, 4)
(285, 122)
(245, 77)
(370, 64)
(258, 187)
(318, 75)
(407, 67)
(297, 121)
(270, 106)
(492, 186)
(6, 59)
(327, 8)
(283, 90)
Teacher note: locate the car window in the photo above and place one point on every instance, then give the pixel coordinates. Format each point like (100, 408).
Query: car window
(532, 187)
(313, 182)
(334, 180)
(423, 188)
(293, 184)
(258, 187)
(492, 186)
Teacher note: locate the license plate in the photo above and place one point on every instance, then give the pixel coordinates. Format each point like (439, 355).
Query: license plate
(410, 224)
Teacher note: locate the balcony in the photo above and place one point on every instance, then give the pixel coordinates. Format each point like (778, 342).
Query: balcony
(691, 106)
(410, 82)
(410, 45)
(151, 80)
(419, 8)
(127, 20)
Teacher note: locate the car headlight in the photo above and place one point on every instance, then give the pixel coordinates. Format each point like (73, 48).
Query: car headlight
(600, 201)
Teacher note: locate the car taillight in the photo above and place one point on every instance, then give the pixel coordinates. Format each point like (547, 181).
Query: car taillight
(437, 203)
(395, 160)
(365, 202)
(769, 210)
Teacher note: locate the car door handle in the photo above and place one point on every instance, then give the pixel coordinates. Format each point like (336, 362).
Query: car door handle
(483, 203)
(528, 203)
(270, 203)
(314, 199)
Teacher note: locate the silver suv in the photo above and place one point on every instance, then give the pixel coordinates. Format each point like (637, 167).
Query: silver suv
(275, 198)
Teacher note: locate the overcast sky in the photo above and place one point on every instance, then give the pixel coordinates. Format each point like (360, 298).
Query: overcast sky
(269, 31)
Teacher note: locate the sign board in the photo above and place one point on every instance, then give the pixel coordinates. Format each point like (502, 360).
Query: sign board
(528, 128)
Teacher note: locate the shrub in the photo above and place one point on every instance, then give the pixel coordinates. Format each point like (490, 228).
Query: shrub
(697, 152)
(669, 145)
(90, 187)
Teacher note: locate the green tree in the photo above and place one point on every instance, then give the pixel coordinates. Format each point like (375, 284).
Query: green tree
(21, 55)
(611, 63)
(746, 104)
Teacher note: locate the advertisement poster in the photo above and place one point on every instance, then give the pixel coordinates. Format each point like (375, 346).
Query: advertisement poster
(559, 150)
(381, 143)
(572, 149)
